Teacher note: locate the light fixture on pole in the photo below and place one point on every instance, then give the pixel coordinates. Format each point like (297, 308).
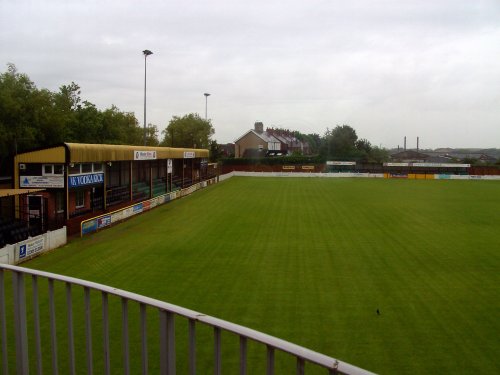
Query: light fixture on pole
(146, 53)
(206, 104)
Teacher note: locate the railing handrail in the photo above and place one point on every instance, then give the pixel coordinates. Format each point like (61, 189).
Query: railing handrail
(271, 341)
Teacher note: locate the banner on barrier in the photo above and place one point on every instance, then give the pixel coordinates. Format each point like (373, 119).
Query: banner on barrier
(340, 163)
(103, 221)
(94, 224)
(89, 226)
(31, 247)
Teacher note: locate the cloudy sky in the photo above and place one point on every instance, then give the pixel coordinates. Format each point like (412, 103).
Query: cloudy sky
(388, 68)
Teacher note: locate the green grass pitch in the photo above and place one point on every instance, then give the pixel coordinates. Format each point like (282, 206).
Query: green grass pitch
(311, 260)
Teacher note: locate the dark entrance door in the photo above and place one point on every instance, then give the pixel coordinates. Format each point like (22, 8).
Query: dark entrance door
(36, 213)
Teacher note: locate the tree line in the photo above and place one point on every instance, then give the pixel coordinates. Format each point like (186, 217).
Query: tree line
(31, 118)
(341, 143)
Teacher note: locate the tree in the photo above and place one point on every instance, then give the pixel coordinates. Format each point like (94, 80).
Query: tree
(378, 155)
(340, 142)
(215, 151)
(16, 111)
(363, 145)
(152, 135)
(31, 118)
(188, 131)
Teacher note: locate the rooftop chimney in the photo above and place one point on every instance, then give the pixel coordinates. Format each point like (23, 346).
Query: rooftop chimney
(259, 127)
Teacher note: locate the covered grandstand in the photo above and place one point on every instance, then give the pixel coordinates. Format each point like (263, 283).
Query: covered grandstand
(84, 180)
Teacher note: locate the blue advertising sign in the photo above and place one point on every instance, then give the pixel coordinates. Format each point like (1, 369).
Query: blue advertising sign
(22, 251)
(89, 226)
(104, 221)
(85, 179)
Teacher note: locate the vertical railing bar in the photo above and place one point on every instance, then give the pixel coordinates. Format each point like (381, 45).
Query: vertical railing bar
(36, 323)
(270, 360)
(144, 339)
(163, 342)
(243, 355)
(171, 343)
(53, 333)
(217, 351)
(71, 339)
(3, 325)
(300, 366)
(105, 334)
(125, 340)
(20, 327)
(192, 347)
(88, 331)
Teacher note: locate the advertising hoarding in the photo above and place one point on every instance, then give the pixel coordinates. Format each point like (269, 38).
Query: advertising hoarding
(144, 155)
(85, 180)
(41, 181)
(31, 247)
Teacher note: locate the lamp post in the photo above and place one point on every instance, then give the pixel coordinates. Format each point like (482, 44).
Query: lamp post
(146, 53)
(206, 104)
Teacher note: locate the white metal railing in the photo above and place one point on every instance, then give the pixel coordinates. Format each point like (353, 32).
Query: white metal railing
(167, 315)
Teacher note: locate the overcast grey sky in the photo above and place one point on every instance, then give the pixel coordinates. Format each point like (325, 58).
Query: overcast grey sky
(388, 68)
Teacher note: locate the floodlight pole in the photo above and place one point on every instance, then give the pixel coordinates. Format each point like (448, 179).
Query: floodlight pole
(206, 105)
(146, 53)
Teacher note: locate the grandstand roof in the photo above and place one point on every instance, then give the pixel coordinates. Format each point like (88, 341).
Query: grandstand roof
(81, 153)
(14, 192)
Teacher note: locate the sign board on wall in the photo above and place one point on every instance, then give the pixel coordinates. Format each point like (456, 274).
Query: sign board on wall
(41, 181)
(89, 226)
(396, 164)
(189, 154)
(169, 166)
(85, 179)
(144, 155)
(340, 163)
(104, 221)
(31, 247)
(428, 165)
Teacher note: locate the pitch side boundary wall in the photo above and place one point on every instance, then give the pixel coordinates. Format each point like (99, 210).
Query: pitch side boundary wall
(355, 175)
(105, 220)
(33, 246)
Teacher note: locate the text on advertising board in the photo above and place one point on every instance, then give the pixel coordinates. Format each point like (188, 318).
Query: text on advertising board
(189, 155)
(340, 163)
(85, 179)
(31, 247)
(144, 155)
(41, 181)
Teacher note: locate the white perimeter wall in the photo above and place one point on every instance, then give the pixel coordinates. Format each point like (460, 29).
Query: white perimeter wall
(33, 246)
(296, 174)
(349, 175)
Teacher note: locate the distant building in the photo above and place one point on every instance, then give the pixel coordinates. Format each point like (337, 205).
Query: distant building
(227, 149)
(409, 156)
(259, 143)
(289, 141)
(482, 158)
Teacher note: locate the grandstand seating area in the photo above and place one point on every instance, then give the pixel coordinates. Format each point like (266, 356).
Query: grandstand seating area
(120, 194)
(179, 182)
(15, 231)
(117, 195)
(140, 191)
(159, 187)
